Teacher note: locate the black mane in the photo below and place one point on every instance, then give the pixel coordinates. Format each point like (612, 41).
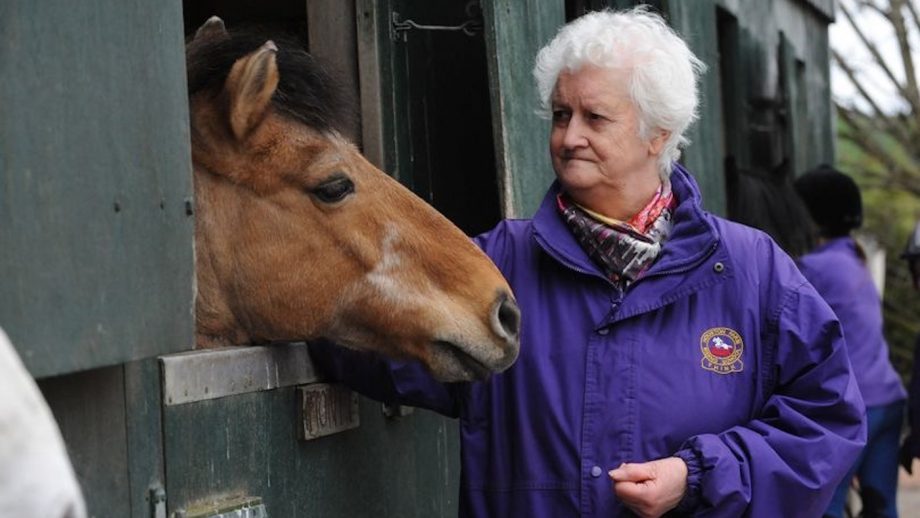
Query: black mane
(306, 92)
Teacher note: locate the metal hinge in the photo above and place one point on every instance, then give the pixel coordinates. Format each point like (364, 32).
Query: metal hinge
(471, 26)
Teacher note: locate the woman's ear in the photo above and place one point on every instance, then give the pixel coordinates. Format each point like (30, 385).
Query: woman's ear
(657, 142)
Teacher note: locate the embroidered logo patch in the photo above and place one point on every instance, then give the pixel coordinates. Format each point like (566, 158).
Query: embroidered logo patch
(722, 348)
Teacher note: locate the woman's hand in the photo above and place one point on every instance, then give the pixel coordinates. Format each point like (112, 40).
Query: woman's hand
(653, 488)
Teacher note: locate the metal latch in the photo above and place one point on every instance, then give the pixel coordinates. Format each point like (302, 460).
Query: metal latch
(239, 507)
(471, 26)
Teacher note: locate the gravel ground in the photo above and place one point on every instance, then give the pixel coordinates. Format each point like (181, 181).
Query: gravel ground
(909, 493)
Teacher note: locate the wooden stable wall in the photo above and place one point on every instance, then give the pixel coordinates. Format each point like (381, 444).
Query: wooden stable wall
(95, 225)
(96, 232)
(96, 238)
(766, 113)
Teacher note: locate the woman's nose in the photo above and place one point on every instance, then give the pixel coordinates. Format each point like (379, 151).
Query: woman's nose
(574, 136)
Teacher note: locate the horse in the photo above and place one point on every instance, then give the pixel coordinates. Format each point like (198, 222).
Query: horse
(299, 237)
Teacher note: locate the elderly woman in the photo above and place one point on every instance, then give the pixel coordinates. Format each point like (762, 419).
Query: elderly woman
(669, 359)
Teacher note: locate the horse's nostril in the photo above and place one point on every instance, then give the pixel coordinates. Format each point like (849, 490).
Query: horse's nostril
(507, 318)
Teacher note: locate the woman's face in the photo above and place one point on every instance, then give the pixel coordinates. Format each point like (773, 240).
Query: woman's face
(595, 143)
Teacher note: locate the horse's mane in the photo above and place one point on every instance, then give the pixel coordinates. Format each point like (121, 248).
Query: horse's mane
(306, 92)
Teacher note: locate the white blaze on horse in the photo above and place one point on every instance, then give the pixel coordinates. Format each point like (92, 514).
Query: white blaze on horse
(298, 236)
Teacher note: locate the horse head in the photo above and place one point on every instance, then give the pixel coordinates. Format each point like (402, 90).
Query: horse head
(299, 237)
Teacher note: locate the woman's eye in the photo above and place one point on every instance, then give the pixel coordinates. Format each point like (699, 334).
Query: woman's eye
(560, 116)
(334, 190)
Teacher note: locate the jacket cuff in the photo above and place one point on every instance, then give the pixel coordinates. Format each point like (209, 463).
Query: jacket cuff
(691, 500)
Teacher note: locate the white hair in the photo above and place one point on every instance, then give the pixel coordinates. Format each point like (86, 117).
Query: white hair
(664, 71)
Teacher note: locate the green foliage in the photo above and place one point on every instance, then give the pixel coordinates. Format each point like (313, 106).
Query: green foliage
(890, 215)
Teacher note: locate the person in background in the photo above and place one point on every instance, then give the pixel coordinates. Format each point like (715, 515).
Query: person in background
(910, 448)
(671, 361)
(837, 269)
(36, 477)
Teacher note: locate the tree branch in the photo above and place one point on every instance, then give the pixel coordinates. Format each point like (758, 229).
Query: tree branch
(913, 13)
(896, 17)
(890, 125)
(879, 60)
(861, 136)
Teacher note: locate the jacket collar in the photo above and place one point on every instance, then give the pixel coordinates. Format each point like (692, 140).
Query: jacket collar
(692, 239)
(838, 243)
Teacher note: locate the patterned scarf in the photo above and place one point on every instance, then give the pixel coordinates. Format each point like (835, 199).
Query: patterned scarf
(623, 250)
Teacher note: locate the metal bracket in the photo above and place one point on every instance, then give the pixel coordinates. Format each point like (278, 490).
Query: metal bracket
(396, 411)
(228, 371)
(471, 27)
(239, 507)
(157, 502)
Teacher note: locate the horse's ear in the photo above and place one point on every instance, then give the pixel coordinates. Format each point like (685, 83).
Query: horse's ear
(250, 85)
(212, 29)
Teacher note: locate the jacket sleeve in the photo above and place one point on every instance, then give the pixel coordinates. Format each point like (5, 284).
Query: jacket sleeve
(789, 458)
(385, 380)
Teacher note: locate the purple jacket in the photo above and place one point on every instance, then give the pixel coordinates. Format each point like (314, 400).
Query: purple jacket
(837, 272)
(722, 354)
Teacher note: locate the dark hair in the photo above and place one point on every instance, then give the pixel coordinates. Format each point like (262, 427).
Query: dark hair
(912, 249)
(306, 92)
(832, 199)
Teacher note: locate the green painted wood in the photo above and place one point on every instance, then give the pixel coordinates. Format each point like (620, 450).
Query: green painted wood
(446, 150)
(825, 8)
(696, 23)
(515, 32)
(144, 433)
(95, 243)
(247, 445)
(90, 410)
(792, 78)
(803, 25)
(384, 72)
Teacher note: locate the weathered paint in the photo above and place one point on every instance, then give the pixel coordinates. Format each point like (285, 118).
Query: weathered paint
(120, 150)
(90, 409)
(247, 445)
(95, 243)
(515, 31)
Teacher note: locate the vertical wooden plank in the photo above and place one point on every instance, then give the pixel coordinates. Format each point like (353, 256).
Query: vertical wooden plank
(247, 445)
(515, 31)
(368, 18)
(144, 429)
(332, 39)
(696, 23)
(95, 174)
(797, 136)
(90, 410)
(382, 73)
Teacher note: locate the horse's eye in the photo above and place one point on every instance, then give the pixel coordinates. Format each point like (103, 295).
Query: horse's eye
(334, 190)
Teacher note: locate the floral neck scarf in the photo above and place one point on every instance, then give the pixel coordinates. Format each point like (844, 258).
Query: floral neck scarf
(623, 249)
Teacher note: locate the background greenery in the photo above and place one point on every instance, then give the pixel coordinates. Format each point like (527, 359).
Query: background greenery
(890, 214)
